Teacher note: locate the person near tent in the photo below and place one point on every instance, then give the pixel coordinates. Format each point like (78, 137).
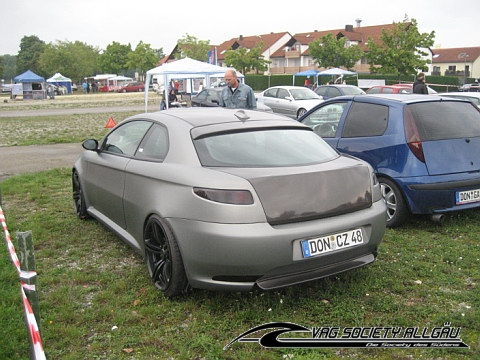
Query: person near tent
(307, 82)
(172, 101)
(236, 95)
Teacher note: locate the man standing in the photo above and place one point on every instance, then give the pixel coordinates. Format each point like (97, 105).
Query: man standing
(419, 86)
(236, 95)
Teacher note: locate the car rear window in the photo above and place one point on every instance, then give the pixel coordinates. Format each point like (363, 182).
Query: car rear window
(439, 120)
(264, 148)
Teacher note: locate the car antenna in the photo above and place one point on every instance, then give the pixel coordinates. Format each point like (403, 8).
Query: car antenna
(242, 115)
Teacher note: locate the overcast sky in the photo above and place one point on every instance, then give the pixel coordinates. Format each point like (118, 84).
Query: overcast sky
(161, 23)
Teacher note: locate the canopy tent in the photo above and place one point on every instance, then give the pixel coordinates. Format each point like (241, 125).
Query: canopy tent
(186, 68)
(340, 73)
(28, 77)
(307, 73)
(60, 80)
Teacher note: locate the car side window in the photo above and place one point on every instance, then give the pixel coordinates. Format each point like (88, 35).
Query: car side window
(324, 121)
(365, 119)
(282, 93)
(155, 144)
(125, 138)
(270, 93)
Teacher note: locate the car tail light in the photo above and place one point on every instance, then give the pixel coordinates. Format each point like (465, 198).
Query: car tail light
(413, 136)
(235, 197)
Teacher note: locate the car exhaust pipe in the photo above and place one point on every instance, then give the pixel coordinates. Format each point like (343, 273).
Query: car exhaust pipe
(438, 218)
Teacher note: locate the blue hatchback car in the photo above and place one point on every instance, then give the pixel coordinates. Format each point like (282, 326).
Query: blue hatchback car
(424, 148)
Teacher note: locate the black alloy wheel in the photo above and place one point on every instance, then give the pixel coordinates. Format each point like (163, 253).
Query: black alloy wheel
(78, 197)
(163, 258)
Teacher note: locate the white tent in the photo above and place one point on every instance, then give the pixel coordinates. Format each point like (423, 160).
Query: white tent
(186, 68)
(60, 80)
(340, 73)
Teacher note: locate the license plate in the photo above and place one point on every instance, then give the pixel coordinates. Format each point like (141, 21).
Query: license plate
(325, 244)
(469, 196)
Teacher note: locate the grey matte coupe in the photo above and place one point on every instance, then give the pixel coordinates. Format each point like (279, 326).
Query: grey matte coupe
(220, 198)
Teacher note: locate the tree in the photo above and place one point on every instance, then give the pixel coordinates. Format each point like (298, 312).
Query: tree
(115, 58)
(245, 60)
(75, 60)
(331, 52)
(401, 50)
(143, 59)
(31, 48)
(190, 46)
(9, 64)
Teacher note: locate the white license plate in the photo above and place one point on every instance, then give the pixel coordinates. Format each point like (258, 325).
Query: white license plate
(325, 244)
(465, 197)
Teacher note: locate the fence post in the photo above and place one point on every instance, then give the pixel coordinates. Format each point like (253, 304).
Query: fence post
(26, 257)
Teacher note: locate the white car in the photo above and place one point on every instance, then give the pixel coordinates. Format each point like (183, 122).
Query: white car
(474, 97)
(292, 101)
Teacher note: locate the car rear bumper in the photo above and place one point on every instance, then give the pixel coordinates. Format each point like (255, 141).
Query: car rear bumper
(238, 256)
(425, 196)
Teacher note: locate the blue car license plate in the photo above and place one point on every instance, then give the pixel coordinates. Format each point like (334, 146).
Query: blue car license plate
(325, 244)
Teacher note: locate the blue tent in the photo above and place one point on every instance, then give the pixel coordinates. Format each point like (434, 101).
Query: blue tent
(307, 73)
(28, 77)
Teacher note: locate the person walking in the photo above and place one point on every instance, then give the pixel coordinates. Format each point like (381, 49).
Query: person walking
(419, 86)
(236, 95)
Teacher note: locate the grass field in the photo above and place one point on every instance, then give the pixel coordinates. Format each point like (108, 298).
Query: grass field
(97, 302)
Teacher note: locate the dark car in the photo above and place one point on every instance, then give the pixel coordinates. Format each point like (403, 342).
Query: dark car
(221, 198)
(424, 149)
(330, 91)
(132, 87)
(210, 98)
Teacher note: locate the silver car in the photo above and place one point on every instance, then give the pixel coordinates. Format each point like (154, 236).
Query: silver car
(221, 198)
(291, 101)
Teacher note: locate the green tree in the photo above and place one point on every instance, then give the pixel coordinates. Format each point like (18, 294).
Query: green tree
(245, 60)
(190, 46)
(31, 48)
(8, 67)
(143, 59)
(75, 60)
(402, 50)
(115, 58)
(331, 52)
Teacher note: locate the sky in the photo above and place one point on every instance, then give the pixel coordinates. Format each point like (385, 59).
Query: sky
(160, 23)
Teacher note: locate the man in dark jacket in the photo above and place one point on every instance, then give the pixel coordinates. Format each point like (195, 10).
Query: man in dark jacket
(419, 86)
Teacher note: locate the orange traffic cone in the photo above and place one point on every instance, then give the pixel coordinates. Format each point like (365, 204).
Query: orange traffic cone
(110, 123)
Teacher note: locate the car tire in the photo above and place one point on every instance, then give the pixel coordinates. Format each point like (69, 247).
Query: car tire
(163, 258)
(300, 112)
(78, 197)
(397, 211)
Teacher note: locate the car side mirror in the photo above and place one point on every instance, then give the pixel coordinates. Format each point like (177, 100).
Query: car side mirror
(90, 144)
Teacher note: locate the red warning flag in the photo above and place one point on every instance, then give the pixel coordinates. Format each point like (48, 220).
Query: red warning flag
(110, 123)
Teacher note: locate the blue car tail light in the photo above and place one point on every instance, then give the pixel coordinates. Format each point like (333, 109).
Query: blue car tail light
(412, 135)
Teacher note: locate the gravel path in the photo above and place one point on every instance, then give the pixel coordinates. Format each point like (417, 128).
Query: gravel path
(16, 160)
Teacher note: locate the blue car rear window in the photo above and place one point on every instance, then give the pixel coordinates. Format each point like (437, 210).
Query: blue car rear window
(441, 120)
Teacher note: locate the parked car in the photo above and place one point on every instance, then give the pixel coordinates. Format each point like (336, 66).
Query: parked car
(292, 101)
(474, 87)
(474, 97)
(329, 91)
(405, 88)
(132, 87)
(196, 191)
(424, 149)
(210, 98)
